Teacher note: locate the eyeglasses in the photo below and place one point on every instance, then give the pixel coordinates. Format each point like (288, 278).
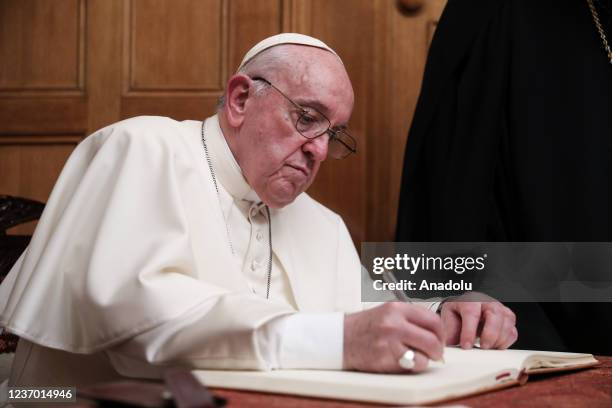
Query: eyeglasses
(311, 124)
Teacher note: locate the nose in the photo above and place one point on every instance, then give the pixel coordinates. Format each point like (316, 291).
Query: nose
(317, 148)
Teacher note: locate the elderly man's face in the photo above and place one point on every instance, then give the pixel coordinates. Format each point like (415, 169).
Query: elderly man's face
(277, 161)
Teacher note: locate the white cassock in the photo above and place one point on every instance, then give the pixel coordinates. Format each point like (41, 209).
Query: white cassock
(138, 263)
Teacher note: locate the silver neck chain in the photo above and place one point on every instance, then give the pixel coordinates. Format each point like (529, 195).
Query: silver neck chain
(227, 229)
(600, 29)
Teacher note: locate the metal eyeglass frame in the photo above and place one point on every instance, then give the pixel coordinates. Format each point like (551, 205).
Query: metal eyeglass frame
(331, 132)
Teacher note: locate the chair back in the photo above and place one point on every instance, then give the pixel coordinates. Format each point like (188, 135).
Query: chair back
(14, 211)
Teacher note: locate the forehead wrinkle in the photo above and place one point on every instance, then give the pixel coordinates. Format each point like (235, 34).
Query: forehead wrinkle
(326, 100)
(311, 77)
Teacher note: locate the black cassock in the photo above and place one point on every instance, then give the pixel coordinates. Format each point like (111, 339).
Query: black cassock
(512, 141)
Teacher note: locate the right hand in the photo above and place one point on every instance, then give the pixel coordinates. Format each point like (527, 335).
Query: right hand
(375, 339)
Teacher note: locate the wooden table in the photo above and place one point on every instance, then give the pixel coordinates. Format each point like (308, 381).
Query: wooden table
(590, 388)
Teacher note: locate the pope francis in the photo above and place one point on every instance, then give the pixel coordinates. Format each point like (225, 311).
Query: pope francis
(193, 244)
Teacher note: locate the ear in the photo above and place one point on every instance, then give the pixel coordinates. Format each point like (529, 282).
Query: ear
(237, 94)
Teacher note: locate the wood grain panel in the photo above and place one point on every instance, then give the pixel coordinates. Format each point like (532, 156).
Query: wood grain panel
(250, 22)
(297, 16)
(179, 108)
(29, 167)
(41, 45)
(34, 165)
(104, 40)
(43, 116)
(172, 58)
(406, 61)
(174, 45)
(401, 42)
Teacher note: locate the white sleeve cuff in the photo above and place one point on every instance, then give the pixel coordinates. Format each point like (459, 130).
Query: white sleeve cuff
(307, 341)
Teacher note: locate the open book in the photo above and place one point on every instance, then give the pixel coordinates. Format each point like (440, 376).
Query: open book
(465, 372)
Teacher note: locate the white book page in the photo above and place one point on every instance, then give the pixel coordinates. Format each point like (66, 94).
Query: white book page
(519, 359)
(465, 372)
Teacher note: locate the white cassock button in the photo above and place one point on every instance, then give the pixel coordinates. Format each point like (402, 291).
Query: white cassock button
(254, 210)
(254, 265)
(259, 235)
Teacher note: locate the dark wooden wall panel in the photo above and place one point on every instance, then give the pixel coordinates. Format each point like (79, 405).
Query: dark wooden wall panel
(403, 46)
(43, 115)
(70, 67)
(34, 163)
(105, 32)
(179, 108)
(250, 22)
(174, 45)
(41, 45)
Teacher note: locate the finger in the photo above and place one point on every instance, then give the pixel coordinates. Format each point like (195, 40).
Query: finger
(504, 335)
(513, 332)
(419, 338)
(451, 323)
(470, 317)
(508, 333)
(426, 319)
(492, 328)
(420, 362)
(511, 339)
(510, 315)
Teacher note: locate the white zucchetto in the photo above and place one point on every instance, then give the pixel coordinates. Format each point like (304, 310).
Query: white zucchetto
(284, 38)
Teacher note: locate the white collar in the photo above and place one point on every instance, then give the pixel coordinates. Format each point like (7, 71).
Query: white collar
(225, 166)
